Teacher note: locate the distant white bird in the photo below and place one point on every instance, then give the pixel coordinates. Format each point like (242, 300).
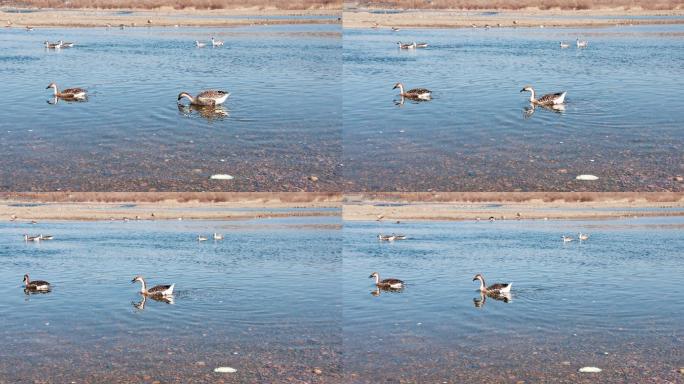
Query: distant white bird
(216, 43)
(200, 45)
(566, 239)
(564, 45)
(583, 236)
(581, 43)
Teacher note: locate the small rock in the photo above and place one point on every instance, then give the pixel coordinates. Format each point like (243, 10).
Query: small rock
(563, 171)
(586, 177)
(565, 363)
(313, 178)
(590, 370)
(221, 177)
(317, 371)
(201, 363)
(225, 370)
(679, 178)
(681, 370)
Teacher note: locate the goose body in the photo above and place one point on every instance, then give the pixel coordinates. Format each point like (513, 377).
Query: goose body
(406, 45)
(583, 236)
(415, 94)
(157, 290)
(386, 283)
(498, 288)
(567, 239)
(395, 29)
(218, 236)
(206, 98)
(35, 285)
(46, 237)
(69, 93)
(581, 43)
(548, 99)
(202, 238)
(200, 45)
(216, 43)
(65, 44)
(420, 45)
(387, 237)
(50, 45)
(32, 238)
(564, 45)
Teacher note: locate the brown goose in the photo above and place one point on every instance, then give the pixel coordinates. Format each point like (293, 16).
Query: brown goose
(415, 94)
(548, 99)
(386, 283)
(157, 290)
(497, 288)
(207, 98)
(69, 93)
(35, 285)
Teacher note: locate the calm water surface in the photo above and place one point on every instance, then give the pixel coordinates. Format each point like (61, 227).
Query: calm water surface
(280, 125)
(623, 120)
(266, 301)
(612, 302)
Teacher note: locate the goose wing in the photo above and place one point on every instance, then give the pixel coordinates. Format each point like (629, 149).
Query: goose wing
(549, 98)
(497, 287)
(159, 288)
(73, 91)
(391, 281)
(211, 94)
(39, 282)
(418, 91)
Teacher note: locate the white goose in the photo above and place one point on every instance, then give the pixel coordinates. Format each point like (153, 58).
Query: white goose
(498, 288)
(583, 236)
(406, 45)
(65, 44)
(581, 43)
(564, 45)
(157, 290)
(202, 238)
(548, 99)
(218, 236)
(200, 45)
(567, 239)
(216, 43)
(206, 98)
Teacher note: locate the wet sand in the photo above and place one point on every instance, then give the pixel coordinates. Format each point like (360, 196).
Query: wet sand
(367, 18)
(507, 206)
(164, 206)
(164, 17)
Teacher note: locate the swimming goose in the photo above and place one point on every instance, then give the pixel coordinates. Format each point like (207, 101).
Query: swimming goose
(406, 45)
(202, 238)
(69, 93)
(50, 45)
(395, 29)
(399, 237)
(420, 45)
(548, 99)
(46, 237)
(387, 237)
(497, 288)
(581, 43)
(415, 94)
(386, 283)
(35, 285)
(218, 236)
(157, 290)
(64, 44)
(29, 29)
(216, 43)
(206, 98)
(31, 238)
(567, 239)
(200, 45)
(583, 236)
(564, 45)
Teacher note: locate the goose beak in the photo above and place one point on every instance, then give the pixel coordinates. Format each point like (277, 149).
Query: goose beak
(474, 278)
(133, 281)
(395, 87)
(370, 277)
(48, 87)
(522, 90)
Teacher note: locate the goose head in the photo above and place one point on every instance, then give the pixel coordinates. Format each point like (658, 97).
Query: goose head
(26, 279)
(373, 275)
(184, 94)
(137, 278)
(51, 85)
(398, 85)
(478, 277)
(527, 88)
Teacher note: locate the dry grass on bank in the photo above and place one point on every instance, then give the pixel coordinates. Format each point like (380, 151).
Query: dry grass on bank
(522, 4)
(520, 197)
(180, 197)
(177, 4)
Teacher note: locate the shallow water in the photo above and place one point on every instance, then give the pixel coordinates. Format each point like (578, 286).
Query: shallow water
(623, 119)
(611, 302)
(280, 125)
(266, 300)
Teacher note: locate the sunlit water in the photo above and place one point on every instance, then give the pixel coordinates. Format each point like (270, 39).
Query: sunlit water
(622, 122)
(613, 302)
(280, 125)
(266, 301)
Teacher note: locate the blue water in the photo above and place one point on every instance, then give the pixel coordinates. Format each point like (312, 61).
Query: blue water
(613, 301)
(280, 125)
(266, 300)
(622, 122)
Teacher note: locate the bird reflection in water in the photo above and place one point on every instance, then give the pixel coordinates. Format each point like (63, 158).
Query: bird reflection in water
(529, 110)
(479, 302)
(209, 112)
(140, 305)
(378, 291)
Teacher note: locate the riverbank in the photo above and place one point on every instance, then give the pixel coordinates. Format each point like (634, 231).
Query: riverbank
(164, 17)
(509, 206)
(164, 206)
(385, 19)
